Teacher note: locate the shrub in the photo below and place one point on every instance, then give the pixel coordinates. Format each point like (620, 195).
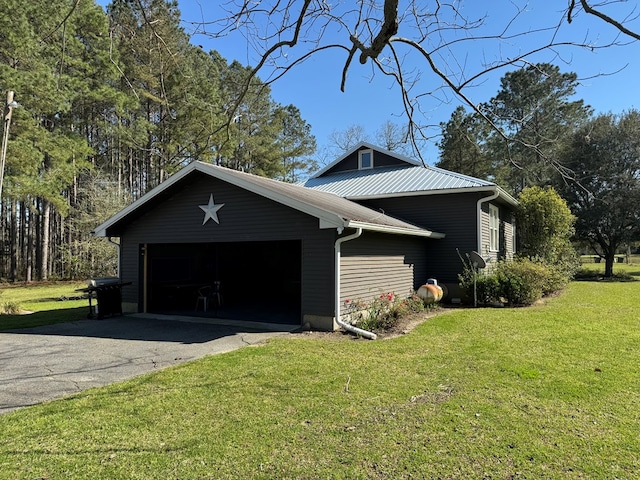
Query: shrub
(545, 226)
(487, 286)
(11, 308)
(522, 281)
(488, 289)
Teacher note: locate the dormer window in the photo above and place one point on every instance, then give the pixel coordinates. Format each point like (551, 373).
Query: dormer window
(365, 159)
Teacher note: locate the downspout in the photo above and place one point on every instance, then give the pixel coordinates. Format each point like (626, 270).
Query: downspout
(346, 326)
(495, 195)
(118, 248)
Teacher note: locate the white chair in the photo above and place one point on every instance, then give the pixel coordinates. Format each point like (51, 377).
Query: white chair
(204, 293)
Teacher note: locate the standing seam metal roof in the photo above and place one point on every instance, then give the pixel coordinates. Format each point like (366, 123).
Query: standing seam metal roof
(393, 180)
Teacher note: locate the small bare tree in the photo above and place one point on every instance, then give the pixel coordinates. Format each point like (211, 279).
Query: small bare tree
(344, 140)
(422, 45)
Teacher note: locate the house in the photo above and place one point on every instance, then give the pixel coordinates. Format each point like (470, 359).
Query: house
(474, 214)
(369, 223)
(281, 252)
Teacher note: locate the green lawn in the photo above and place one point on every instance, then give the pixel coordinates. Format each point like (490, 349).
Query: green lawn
(551, 391)
(48, 303)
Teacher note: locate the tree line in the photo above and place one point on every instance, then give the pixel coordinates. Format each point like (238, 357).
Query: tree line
(538, 135)
(111, 103)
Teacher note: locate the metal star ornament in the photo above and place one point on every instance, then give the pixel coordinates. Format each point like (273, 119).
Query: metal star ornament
(211, 210)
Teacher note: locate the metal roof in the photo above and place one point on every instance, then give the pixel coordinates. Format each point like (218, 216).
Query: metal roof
(394, 181)
(332, 210)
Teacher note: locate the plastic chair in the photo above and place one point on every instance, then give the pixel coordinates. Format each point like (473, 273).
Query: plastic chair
(204, 293)
(216, 293)
(209, 293)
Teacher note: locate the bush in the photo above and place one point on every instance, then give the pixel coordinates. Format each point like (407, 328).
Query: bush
(518, 282)
(522, 281)
(545, 226)
(11, 308)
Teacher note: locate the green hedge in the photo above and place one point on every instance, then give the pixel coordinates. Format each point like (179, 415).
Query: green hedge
(518, 282)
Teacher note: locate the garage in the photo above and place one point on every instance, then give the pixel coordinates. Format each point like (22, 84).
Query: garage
(273, 248)
(254, 281)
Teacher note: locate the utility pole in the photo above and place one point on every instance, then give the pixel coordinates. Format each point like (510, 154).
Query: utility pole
(8, 110)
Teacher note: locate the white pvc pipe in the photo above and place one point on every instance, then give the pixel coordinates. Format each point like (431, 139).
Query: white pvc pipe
(338, 303)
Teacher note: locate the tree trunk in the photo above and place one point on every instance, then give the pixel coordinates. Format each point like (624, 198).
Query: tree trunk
(31, 250)
(46, 224)
(15, 239)
(609, 260)
(22, 267)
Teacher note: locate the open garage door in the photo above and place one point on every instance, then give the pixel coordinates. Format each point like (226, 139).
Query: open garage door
(253, 281)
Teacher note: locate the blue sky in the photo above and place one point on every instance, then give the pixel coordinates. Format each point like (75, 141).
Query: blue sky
(370, 100)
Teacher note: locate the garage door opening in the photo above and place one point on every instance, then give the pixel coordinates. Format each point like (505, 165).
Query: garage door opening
(259, 281)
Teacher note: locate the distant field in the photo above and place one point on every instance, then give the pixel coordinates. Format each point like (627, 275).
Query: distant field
(635, 258)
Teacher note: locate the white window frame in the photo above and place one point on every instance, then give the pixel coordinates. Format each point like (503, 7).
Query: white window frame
(360, 154)
(494, 228)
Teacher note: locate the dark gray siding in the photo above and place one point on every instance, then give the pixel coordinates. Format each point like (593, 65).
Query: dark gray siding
(454, 215)
(245, 216)
(351, 162)
(376, 263)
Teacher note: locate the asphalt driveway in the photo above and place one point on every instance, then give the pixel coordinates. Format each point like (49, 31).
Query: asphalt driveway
(44, 363)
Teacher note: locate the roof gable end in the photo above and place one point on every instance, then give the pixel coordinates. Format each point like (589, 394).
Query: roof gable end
(331, 210)
(401, 159)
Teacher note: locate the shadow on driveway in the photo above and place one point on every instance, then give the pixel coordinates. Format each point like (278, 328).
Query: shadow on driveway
(52, 361)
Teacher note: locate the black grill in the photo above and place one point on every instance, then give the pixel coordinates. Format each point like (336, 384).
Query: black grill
(108, 295)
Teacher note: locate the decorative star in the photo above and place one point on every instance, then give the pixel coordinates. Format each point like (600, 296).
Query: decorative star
(211, 210)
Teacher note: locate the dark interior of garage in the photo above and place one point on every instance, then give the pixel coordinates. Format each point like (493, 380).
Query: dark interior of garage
(253, 281)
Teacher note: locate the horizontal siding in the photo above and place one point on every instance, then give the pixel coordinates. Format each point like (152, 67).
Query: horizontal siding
(506, 247)
(245, 217)
(318, 273)
(453, 215)
(490, 257)
(374, 264)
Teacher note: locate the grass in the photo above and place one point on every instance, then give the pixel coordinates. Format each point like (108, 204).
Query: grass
(44, 301)
(551, 391)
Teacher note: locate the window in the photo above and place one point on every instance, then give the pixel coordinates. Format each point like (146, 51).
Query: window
(365, 159)
(494, 228)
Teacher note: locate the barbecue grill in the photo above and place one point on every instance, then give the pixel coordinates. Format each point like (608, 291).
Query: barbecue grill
(108, 294)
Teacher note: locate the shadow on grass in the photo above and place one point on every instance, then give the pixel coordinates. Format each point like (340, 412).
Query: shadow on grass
(46, 317)
(62, 298)
(617, 277)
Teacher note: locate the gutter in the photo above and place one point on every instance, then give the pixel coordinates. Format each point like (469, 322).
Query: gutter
(495, 195)
(346, 326)
(395, 230)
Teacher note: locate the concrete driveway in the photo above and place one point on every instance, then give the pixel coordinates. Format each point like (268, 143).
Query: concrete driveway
(44, 363)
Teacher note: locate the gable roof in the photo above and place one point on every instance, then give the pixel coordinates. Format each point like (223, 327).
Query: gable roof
(331, 210)
(408, 160)
(397, 181)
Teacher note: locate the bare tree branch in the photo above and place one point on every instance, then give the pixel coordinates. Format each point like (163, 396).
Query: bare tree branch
(285, 33)
(602, 16)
